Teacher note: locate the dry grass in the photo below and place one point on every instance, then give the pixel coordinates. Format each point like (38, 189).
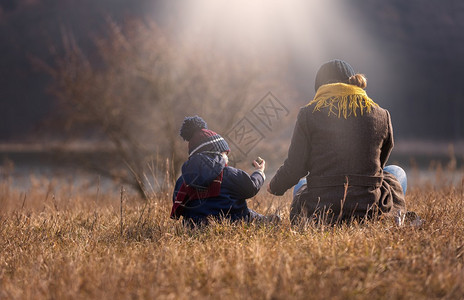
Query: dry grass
(60, 242)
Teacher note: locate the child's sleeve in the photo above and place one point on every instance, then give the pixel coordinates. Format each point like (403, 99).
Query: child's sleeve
(243, 185)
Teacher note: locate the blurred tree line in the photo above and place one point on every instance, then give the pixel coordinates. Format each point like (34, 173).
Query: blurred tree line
(430, 72)
(136, 92)
(425, 34)
(130, 83)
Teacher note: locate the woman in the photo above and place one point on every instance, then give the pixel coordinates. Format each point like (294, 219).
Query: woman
(341, 143)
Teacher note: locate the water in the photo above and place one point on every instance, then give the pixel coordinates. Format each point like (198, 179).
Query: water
(29, 169)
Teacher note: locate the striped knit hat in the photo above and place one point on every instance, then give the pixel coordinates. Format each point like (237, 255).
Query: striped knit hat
(200, 138)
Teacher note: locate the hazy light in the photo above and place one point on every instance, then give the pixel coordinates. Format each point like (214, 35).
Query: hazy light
(306, 33)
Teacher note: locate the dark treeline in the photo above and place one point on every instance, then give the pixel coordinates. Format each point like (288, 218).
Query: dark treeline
(427, 33)
(32, 30)
(430, 36)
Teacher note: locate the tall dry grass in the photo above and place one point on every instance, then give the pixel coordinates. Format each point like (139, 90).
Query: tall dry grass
(60, 241)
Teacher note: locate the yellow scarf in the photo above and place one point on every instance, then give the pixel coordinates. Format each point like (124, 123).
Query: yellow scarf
(342, 99)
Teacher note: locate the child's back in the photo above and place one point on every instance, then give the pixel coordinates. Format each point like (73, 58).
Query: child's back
(207, 186)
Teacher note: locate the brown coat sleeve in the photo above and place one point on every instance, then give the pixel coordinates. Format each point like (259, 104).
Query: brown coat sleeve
(294, 167)
(388, 143)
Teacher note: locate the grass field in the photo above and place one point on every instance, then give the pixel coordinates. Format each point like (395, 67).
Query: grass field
(59, 241)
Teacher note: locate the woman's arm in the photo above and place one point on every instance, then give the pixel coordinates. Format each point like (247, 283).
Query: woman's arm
(294, 167)
(388, 144)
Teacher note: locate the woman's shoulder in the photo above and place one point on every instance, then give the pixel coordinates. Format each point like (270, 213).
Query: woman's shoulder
(305, 111)
(306, 115)
(381, 111)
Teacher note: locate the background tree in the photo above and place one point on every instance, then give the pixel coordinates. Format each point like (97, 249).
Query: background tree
(134, 94)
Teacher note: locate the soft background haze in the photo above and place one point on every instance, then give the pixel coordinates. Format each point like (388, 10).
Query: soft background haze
(411, 52)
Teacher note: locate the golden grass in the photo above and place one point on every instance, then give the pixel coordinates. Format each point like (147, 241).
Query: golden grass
(64, 242)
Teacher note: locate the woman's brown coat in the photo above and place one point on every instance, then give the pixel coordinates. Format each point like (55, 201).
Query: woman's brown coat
(343, 161)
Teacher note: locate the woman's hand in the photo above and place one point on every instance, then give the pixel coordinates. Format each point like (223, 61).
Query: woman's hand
(269, 189)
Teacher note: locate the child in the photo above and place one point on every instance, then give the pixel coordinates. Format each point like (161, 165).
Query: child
(208, 187)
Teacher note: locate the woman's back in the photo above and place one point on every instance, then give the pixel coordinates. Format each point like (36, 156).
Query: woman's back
(347, 146)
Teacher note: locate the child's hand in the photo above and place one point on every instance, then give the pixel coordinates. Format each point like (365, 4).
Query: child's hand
(260, 166)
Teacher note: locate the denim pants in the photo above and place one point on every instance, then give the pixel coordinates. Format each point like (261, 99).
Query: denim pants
(396, 171)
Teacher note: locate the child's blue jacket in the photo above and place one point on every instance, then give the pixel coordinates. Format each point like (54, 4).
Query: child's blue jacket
(200, 170)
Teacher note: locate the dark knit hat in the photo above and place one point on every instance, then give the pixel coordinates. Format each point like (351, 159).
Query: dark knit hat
(332, 72)
(200, 138)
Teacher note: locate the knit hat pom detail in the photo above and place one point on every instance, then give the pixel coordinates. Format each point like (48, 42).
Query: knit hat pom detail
(190, 126)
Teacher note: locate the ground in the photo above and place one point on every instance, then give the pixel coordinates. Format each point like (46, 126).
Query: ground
(60, 241)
